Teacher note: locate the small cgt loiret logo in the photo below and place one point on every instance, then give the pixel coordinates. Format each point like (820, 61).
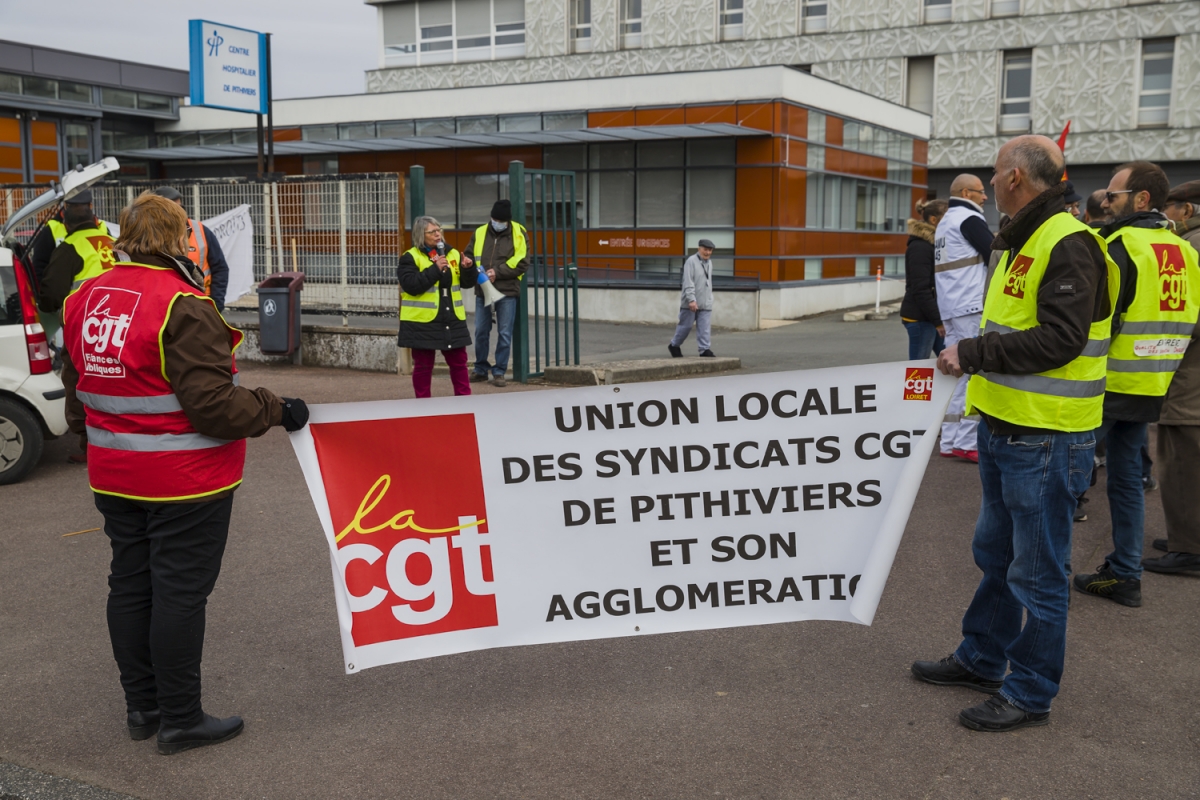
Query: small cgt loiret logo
(918, 385)
(1018, 274)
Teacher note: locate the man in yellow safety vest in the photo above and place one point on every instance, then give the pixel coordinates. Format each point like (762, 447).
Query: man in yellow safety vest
(1156, 313)
(1037, 380)
(84, 250)
(499, 248)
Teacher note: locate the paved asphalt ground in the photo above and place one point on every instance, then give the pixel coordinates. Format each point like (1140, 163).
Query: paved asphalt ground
(804, 710)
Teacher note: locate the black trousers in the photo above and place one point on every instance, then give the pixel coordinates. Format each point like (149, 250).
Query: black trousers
(166, 558)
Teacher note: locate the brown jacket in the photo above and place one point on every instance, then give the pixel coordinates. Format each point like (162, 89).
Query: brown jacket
(497, 250)
(199, 366)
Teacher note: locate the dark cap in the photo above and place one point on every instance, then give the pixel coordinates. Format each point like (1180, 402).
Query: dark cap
(169, 192)
(706, 243)
(1070, 195)
(84, 198)
(502, 211)
(1185, 193)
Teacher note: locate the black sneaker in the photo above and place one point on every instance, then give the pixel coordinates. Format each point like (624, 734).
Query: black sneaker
(676, 352)
(997, 715)
(708, 354)
(1160, 544)
(1149, 483)
(1103, 583)
(948, 672)
(1173, 563)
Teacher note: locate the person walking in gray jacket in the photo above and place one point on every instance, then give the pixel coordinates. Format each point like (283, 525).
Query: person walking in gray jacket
(696, 301)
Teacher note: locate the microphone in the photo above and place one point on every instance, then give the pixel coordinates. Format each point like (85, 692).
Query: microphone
(441, 248)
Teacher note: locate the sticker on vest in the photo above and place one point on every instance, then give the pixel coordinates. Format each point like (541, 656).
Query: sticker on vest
(1173, 346)
(106, 320)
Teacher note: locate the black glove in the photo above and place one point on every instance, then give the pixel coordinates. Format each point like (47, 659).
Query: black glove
(295, 414)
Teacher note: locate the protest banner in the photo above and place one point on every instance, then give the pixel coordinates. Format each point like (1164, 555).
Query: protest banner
(235, 232)
(465, 523)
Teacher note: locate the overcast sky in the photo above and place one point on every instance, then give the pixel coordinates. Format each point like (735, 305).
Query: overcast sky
(319, 47)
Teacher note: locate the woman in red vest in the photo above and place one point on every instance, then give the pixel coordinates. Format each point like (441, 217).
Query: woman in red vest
(152, 389)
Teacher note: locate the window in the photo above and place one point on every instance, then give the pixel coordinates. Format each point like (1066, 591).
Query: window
(217, 137)
(356, 130)
(476, 125)
(395, 129)
(579, 30)
(919, 91)
(77, 137)
(812, 269)
(631, 24)
(319, 133)
(40, 87)
(1018, 88)
(440, 199)
(1154, 102)
(570, 121)
(938, 11)
(476, 196)
(153, 102)
(118, 98)
(78, 92)
(10, 84)
(445, 31)
(1006, 8)
(731, 19)
(814, 16)
(660, 191)
(521, 123)
(435, 127)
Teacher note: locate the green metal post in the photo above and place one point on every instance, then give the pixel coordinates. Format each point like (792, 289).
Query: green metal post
(520, 350)
(416, 181)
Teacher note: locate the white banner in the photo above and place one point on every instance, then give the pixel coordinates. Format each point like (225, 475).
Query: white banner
(464, 523)
(235, 232)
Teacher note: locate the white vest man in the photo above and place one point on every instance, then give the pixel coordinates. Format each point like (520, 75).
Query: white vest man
(961, 248)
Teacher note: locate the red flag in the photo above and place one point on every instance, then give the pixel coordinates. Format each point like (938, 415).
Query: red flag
(1062, 143)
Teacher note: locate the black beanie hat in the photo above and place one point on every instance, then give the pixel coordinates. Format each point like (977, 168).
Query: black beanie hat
(502, 211)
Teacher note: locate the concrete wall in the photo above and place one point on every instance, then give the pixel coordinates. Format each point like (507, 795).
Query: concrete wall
(806, 298)
(367, 349)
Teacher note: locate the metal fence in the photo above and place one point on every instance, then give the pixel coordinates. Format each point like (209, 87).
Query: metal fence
(344, 232)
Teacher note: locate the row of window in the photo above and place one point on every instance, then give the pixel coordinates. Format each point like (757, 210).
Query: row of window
(445, 31)
(72, 92)
(1157, 64)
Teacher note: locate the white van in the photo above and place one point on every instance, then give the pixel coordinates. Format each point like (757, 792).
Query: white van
(32, 405)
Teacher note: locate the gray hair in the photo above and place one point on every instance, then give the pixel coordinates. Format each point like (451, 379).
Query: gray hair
(1040, 164)
(420, 225)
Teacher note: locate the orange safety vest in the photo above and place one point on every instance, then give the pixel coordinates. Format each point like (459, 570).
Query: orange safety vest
(141, 445)
(198, 252)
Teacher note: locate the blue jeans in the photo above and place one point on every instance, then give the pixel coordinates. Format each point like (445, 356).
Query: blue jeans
(922, 339)
(505, 312)
(1022, 542)
(1126, 501)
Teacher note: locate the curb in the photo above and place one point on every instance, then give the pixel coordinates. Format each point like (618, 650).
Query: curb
(859, 316)
(649, 369)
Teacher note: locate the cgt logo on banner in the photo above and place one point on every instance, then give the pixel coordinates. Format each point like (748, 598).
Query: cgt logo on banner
(465, 523)
(107, 317)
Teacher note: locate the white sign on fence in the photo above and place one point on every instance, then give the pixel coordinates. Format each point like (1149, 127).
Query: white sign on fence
(228, 67)
(235, 233)
(465, 523)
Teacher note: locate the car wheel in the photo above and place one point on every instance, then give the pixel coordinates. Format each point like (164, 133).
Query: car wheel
(20, 441)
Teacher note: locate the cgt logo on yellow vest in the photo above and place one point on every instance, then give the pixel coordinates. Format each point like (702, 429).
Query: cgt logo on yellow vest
(103, 245)
(1172, 277)
(1018, 275)
(106, 320)
(918, 384)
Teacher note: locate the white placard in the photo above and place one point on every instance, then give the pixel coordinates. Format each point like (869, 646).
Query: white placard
(465, 523)
(235, 233)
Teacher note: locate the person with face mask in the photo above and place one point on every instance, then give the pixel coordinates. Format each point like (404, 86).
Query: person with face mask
(499, 249)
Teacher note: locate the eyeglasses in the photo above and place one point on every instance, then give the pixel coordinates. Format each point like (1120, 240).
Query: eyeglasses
(977, 191)
(1110, 196)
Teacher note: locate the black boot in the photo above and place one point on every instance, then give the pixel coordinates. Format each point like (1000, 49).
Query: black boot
(997, 715)
(210, 731)
(142, 724)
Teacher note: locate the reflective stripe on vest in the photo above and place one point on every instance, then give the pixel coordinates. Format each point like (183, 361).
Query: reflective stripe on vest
(198, 252)
(152, 442)
(424, 307)
(960, 273)
(115, 404)
(1156, 328)
(1069, 398)
(520, 245)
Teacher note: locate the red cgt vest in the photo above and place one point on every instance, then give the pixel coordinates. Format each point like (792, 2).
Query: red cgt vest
(140, 443)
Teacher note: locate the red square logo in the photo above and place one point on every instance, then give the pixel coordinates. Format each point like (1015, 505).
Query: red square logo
(106, 319)
(407, 502)
(1172, 277)
(918, 384)
(1018, 274)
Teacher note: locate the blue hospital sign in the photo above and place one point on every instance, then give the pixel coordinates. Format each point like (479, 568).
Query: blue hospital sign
(228, 67)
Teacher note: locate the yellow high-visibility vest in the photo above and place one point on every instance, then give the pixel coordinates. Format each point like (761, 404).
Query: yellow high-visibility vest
(94, 246)
(520, 248)
(1157, 327)
(59, 231)
(424, 307)
(1069, 398)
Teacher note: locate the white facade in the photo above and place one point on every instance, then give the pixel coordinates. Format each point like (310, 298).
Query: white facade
(1125, 72)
